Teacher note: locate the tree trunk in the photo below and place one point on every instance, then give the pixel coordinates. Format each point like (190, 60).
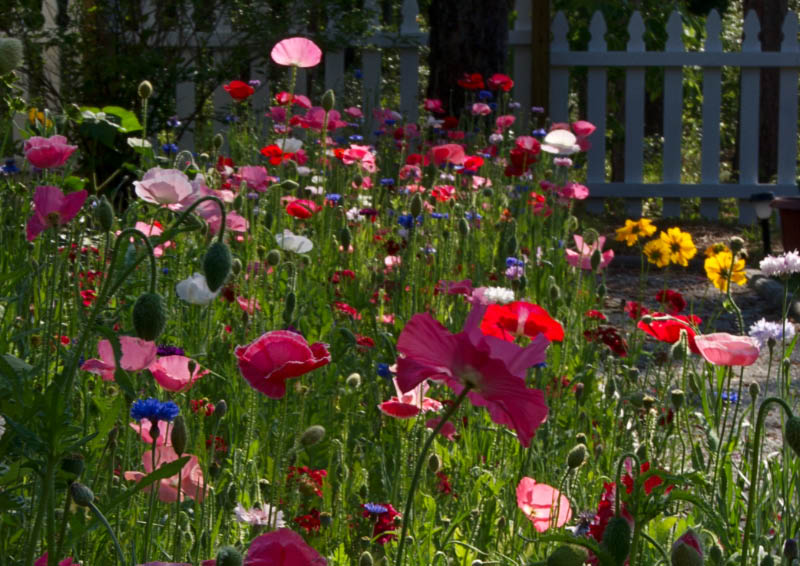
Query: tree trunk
(770, 14)
(466, 36)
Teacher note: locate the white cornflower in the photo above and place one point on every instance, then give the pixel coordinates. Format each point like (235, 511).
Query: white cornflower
(764, 331)
(560, 142)
(782, 265)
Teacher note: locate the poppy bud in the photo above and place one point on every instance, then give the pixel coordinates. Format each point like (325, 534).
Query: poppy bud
(434, 463)
(736, 244)
(229, 556)
(288, 308)
(81, 494)
(289, 185)
(358, 180)
(463, 227)
(10, 54)
(568, 555)
(754, 391)
(328, 100)
(611, 387)
(73, 464)
(617, 539)
(488, 192)
(325, 519)
(641, 452)
(237, 202)
(149, 319)
(236, 266)
(104, 214)
(365, 559)
(715, 554)
(268, 219)
(768, 560)
(580, 438)
(790, 550)
(145, 90)
(273, 257)
(572, 224)
(416, 206)
(353, 381)
(596, 259)
(647, 319)
(687, 550)
(601, 289)
(179, 435)
(555, 292)
(312, 435)
(511, 246)
(648, 402)
(345, 238)
(221, 408)
(791, 433)
(217, 141)
(217, 265)
(576, 456)
(677, 396)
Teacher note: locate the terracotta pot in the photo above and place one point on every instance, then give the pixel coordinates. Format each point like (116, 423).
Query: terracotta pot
(789, 210)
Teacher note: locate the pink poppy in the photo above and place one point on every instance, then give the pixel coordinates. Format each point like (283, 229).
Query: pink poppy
(256, 177)
(448, 153)
(481, 109)
(583, 257)
(163, 186)
(354, 112)
(46, 153)
(250, 306)
(143, 427)
(53, 208)
(137, 354)
(463, 287)
(234, 222)
(283, 98)
(505, 121)
(495, 369)
(687, 549)
(151, 229)
(314, 119)
(545, 506)
(448, 429)
(297, 52)
(277, 356)
(408, 405)
(42, 561)
(191, 476)
(723, 349)
(302, 208)
(582, 130)
(283, 547)
(176, 373)
(434, 105)
(500, 81)
(572, 191)
(362, 155)
(443, 193)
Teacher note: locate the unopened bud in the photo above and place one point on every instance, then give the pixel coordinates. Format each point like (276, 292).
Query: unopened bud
(221, 408)
(434, 463)
(790, 549)
(179, 435)
(568, 555)
(715, 555)
(416, 206)
(463, 227)
(81, 494)
(236, 266)
(289, 185)
(145, 90)
(328, 100)
(353, 381)
(576, 456)
(754, 391)
(312, 435)
(677, 396)
(11, 54)
(217, 141)
(365, 559)
(229, 556)
(736, 244)
(104, 214)
(273, 257)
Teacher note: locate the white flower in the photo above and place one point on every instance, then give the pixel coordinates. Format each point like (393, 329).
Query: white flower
(491, 296)
(353, 215)
(560, 142)
(315, 190)
(303, 171)
(195, 290)
(764, 331)
(782, 265)
(290, 145)
(259, 516)
(294, 243)
(495, 139)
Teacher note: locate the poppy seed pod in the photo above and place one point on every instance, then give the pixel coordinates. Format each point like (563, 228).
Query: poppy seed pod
(736, 244)
(576, 456)
(416, 206)
(617, 539)
(463, 227)
(81, 494)
(179, 435)
(754, 391)
(365, 559)
(273, 257)
(10, 54)
(328, 100)
(104, 214)
(149, 318)
(791, 433)
(312, 435)
(236, 266)
(145, 90)
(217, 265)
(229, 556)
(221, 408)
(434, 463)
(568, 555)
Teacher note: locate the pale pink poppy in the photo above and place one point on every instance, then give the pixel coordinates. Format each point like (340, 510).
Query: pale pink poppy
(505, 121)
(452, 153)
(163, 186)
(176, 373)
(250, 306)
(137, 354)
(152, 229)
(143, 427)
(392, 261)
(191, 475)
(408, 405)
(354, 112)
(448, 429)
(256, 177)
(234, 222)
(296, 52)
(723, 349)
(362, 155)
(544, 505)
(583, 256)
(46, 153)
(283, 98)
(283, 547)
(53, 208)
(481, 109)
(572, 191)
(410, 172)
(314, 119)
(434, 105)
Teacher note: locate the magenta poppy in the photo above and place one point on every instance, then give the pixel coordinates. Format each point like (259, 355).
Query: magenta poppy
(452, 153)
(239, 90)
(51, 208)
(495, 369)
(501, 82)
(283, 547)
(723, 349)
(46, 153)
(189, 482)
(408, 405)
(544, 505)
(176, 373)
(277, 356)
(302, 208)
(296, 52)
(448, 429)
(137, 354)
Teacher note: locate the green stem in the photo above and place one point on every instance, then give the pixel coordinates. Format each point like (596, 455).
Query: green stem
(755, 455)
(620, 462)
(418, 469)
(658, 547)
(102, 519)
(153, 493)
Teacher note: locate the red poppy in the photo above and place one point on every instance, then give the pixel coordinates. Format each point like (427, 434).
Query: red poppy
(275, 154)
(669, 330)
(609, 336)
(671, 300)
(239, 90)
(450, 123)
(635, 310)
(500, 81)
(473, 163)
(347, 309)
(595, 314)
(473, 81)
(302, 208)
(520, 318)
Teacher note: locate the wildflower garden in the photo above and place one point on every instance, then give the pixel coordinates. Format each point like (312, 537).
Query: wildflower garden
(327, 347)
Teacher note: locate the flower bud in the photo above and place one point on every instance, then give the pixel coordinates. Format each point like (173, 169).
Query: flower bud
(647, 319)
(81, 494)
(145, 90)
(289, 185)
(149, 318)
(568, 555)
(576, 456)
(601, 289)
(434, 463)
(236, 266)
(463, 227)
(416, 206)
(325, 519)
(217, 141)
(641, 452)
(572, 223)
(288, 307)
(678, 397)
(715, 554)
(511, 246)
(353, 381)
(791, 433)
(73, 464)
(617, 539)
(580, 438)
(229, 556)
(768, 560)
(590, 236)
(104, 214)
(345, 238)
(596, 259)
(687, 550)
(11, 54)
(312, 435)
(273, 257)
(365, 559)
(179, 435)
(736, 244)
(221, 408)
(790, 550)
(328, 100)
(754, 391)
(358, 180)
(217, 265)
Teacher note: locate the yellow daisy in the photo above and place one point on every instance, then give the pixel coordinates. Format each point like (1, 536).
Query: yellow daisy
(657, 252)
(717, 268)
(681, 247)
(714, 249)
(635, 229)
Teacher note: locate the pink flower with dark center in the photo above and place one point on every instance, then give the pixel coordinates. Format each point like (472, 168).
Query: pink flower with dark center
(137, 354)
(143, 427)
(495, 369)
(283, 547)
(192, 483)
(176, 373)
(46, 153)
(296, 52)
(276, 356)
(583, 257)
(163, 186)
(408, 405)
(544, 505)
(723, 349)
(53, 208)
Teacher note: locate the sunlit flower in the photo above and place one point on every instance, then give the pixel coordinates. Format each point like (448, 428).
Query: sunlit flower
(544, 505)
(634, 230)
(657, 252)
(718, 267)
(680, 246)
(297, 52)
(723, 349)
(53, 208)
(260, 515)
(764, 331)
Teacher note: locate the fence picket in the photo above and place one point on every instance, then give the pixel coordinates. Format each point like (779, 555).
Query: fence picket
(523, 58)
(597, 85)
(559, 76)
(409, 63)
(673, 115)
(712, 99)
(634, 114)
(371, 72)
(749, 114)
(787, 126)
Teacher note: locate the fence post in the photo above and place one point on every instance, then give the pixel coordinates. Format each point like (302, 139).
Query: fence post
(523, 63)
(597, 84)
(749, 115)
(371, 72)
(673, 112)
(559, 76)
(634, 114)
(712, 96)
(787, 129)
(409, 62)
(334, 58)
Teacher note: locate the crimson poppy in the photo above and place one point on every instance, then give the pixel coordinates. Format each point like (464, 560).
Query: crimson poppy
(520, 318)
(500, 81)
(239, 90)
(669, 330)
(471, 81)
(302, 208)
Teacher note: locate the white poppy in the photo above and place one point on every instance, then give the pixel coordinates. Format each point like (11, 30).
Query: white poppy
(195, 290)
(290, 145)
(560, 142)
(294, 243)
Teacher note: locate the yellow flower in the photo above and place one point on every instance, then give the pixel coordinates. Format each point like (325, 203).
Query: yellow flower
(634, 229)
(681, 247)
(717, 268)
(37, 117)
(714, 249)
(657, 252)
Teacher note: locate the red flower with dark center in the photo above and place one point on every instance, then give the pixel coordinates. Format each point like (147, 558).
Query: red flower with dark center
(275, 154)
(669, 330)
(671, 300)
(501, 82)
(364, 342)
(239, 90)
(609, 336)
(471, 81)
(595, 315)
(307, 480)
(635, 310)
(302, 208)
(310, 521)
(520, 318)
(444, 484)
(347, 309)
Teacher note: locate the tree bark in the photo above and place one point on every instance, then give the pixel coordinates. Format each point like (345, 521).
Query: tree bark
(466, 36)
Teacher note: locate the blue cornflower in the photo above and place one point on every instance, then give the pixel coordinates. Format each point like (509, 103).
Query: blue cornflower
(378, 133)
(539, 133)
(173, 122)
(405, 220)
(383, 371)
(387, 182)
(10, 167)
(493, 106)
(154, 410)
(165, 270)
(522, 188)
(375, 508)
(356, 138)
(333, 197)
(540, 365)
(537, 109)
(514, 262)
(167, 350)
(440, 215)
(358, 74)
(230, 118)
(390, 122)
(485, 95)
(340, 139)
(169, 148)
(472, 216)
(730, 396)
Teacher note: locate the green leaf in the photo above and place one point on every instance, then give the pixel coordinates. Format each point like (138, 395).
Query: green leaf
(128, 120)
(74, 183)
(163, 472)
